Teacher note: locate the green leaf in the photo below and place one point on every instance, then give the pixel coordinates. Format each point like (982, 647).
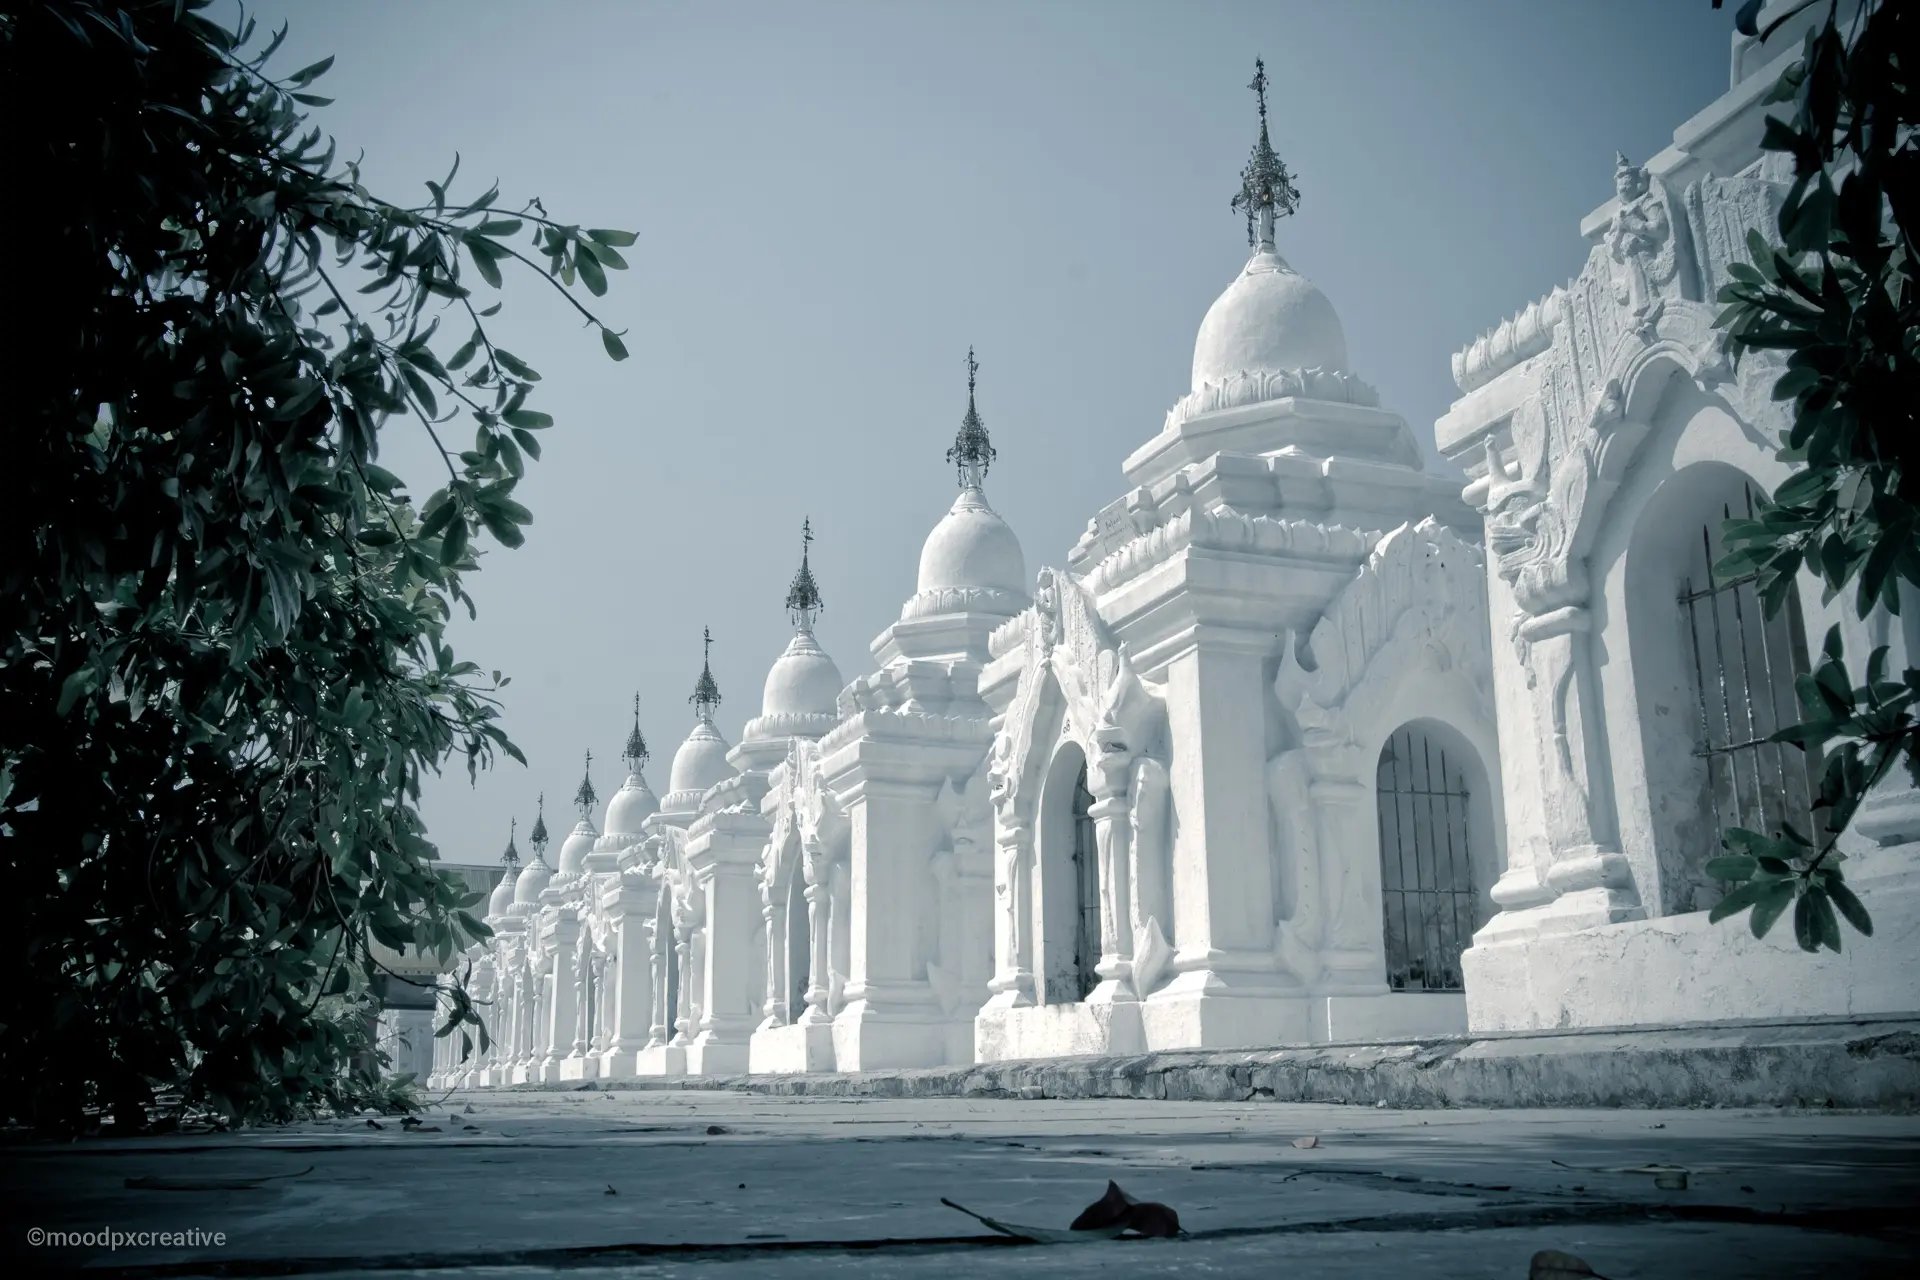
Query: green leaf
(421, 391)
(440, 512)
(1738, 900)
(454, 545)
(611, 341)
(528, 418)
(308, 74)
(1732, 867)
(590, 273)
(76, 686)
(465, 352)
(618, 239)
(486, 260)
(1850, 906)
(1772, 900)
(514, 365)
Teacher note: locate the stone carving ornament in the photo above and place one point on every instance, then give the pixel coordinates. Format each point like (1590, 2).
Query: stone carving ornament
(1641, 244)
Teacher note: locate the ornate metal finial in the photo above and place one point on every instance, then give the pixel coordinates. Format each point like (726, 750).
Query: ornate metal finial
(706, 690)
(636, 753)
(803, 596)
(584, 798)
(512, 856)
(1266, 186)
(972, 451)
(538, 836)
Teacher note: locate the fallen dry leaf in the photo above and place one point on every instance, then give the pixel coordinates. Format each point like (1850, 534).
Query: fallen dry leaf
(1551, 1264)
(1111, 1215)
(1306, 1143)
(1110, 1208)
(1038, 1235)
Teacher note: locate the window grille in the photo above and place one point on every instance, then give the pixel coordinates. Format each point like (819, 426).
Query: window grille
(1426, 863)
(1744, 666)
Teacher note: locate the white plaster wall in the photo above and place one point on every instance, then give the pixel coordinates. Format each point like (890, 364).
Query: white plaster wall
(1684, 969)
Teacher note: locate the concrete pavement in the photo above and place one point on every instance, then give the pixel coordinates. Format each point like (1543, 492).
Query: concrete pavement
(719, 1184)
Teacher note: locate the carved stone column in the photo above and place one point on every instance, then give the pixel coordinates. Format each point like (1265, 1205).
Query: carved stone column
(974, 908)
(558, 1029)
(657, 968)
(1353, 958)
(840, 934)
(630, 991)
(819, 926)
(1589, 877)
(1112, 840)
(585, 993)
(774, 1004)
(722, 848)
(683, 986)
(1012, 985)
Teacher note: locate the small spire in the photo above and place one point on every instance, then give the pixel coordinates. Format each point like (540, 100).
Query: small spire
(538, 836)
(803, 596)
(636, 753)
(1266, 186)
(584, 798)
(972, 451)
(512, 856)
(706, 690)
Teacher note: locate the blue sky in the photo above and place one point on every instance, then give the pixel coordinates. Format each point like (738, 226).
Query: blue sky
(834, 199)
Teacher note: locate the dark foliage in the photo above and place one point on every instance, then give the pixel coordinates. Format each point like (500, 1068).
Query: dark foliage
(222, 663)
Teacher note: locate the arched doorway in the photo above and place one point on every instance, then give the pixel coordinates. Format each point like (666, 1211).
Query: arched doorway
(1744, 667)
(1069, 880)
(1706, 654)
(1434, 827)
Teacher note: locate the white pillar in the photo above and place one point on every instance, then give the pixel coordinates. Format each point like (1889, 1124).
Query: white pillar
(1227, 991)
(558, 1026)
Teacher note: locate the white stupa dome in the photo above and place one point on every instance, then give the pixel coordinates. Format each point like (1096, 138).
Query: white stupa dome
(533, 878)
(1271, 319)
(802, 681)
(631, 806)
(502, 896)
(701, 761)
(575, 848)
(972, 547)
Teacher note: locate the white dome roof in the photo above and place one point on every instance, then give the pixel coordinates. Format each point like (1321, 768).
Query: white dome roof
(631, 805)
(701, 760)
(972, 547)
(502, 895)
(802, 681)
(533, 878)
(1271, 319)
(575, 848)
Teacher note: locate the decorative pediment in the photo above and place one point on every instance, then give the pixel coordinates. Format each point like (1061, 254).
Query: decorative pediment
(1640, 310)
(1421, 597)
(1075, 680)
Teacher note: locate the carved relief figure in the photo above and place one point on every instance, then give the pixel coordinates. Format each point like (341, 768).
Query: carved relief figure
(1640, 241)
